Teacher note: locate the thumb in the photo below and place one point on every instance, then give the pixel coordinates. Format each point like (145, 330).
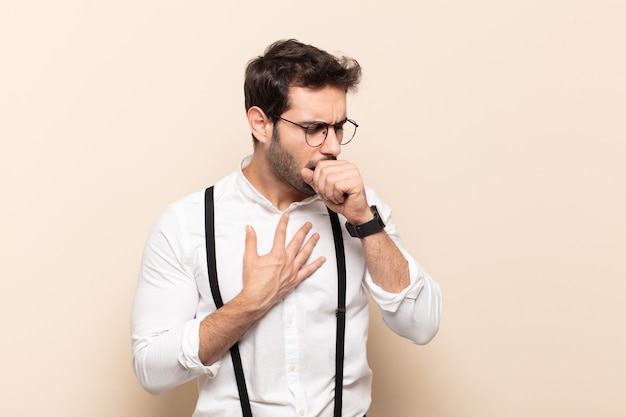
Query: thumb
(307, 175)
(250, 248)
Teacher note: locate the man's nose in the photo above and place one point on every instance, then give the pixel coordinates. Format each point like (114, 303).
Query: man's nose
(332, 144)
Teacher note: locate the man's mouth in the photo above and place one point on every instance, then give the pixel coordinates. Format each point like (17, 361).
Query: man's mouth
(312, 164)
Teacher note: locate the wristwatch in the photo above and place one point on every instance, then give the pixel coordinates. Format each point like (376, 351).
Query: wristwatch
(368, 228)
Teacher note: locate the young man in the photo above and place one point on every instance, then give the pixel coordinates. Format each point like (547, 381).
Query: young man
(279, 345)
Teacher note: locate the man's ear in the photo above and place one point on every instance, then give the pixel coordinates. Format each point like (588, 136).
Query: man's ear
(260, 124)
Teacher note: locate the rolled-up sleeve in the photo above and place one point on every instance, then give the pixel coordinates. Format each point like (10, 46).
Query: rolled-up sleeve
(164, 326)
(415, 312)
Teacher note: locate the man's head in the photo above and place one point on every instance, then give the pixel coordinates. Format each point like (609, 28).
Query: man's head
(290, 63)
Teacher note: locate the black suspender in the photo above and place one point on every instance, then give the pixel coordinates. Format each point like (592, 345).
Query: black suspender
(340, 312)
(209, 224)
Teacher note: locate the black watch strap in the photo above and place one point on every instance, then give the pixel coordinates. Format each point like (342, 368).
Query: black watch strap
(368, 228)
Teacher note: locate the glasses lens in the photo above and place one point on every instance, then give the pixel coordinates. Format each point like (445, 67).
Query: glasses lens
(316, 134)
(346, 133)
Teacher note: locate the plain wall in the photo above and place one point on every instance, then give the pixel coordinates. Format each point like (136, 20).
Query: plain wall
(495, 129)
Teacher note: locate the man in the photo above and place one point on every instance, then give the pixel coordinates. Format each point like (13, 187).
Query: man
(278, 262)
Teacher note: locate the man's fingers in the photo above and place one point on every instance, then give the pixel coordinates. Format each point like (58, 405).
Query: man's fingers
(281, 232)
(334, 180)
(296, 242)
(305, 251)
(307, 270)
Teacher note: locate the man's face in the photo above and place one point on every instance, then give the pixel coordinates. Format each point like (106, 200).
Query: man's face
(288, 152)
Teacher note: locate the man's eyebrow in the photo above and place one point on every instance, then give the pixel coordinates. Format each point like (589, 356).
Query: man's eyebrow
(311, 122)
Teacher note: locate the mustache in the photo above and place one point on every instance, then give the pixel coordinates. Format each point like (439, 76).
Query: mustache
(312, 164)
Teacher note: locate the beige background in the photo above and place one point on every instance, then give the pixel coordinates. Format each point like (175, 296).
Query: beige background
(496, 129)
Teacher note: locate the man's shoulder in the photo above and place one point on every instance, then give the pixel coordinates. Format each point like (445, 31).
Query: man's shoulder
(197, 197)
(187, 213)
(192, 204)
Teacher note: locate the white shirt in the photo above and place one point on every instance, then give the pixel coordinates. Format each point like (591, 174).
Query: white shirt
(289, 355)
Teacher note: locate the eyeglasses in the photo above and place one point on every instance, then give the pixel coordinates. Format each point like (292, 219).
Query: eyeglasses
(315, 133)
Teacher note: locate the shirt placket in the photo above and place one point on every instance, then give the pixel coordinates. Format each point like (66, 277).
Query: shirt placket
(290, 323)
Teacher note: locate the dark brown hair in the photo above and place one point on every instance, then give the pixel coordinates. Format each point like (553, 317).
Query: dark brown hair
(288, 63)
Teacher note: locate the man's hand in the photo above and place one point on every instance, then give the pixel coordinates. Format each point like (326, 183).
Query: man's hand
(267, 279)
(340, 186)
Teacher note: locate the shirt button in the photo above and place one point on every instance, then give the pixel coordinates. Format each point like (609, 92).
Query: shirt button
(289, 320)
(292, 368)
(301, 412)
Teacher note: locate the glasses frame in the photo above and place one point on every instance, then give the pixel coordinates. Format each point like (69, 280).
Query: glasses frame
(335, 127)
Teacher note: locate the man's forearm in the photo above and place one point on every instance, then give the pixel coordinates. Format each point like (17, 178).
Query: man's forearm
(416, 320)
(386, 264)
(220, 330)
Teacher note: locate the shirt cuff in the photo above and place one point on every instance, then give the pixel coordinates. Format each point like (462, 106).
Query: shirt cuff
(189, 353)
(389, 301)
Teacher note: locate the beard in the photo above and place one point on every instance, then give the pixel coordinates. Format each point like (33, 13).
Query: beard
(285, 167)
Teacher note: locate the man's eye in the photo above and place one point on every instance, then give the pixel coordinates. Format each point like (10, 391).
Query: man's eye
(316, 128)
